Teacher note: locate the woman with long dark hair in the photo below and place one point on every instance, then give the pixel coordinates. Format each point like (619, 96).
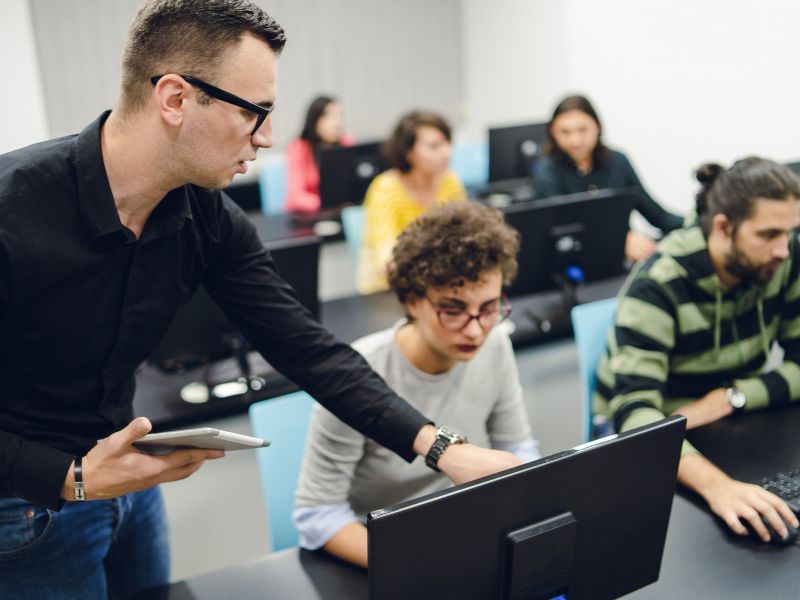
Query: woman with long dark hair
(577, 160)
(322, 129)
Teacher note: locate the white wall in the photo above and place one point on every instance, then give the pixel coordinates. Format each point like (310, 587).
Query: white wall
(676, 84)
(514, 61)
(22, 113)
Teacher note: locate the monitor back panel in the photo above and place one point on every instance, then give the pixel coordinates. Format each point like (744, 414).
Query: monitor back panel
(448, 545)
(594, 224)
(199, 330)
(345, 173)
(512, 150)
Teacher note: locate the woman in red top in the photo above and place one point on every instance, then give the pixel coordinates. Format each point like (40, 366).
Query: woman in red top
(322, 129)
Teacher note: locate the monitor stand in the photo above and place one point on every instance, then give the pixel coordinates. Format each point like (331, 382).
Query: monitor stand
(556, 317)
(237, 382)
(537, 559)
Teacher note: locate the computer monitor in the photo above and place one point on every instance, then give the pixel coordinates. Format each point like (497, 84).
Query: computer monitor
(246, 194)
(513, 150)
(578, 237)
(346, 172)
(200, 332)
(590, 522)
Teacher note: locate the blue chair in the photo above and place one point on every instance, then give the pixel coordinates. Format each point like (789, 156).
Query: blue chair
(591, 323)
(470, 161)
(272, 180)
(283, 421)
(353, 225)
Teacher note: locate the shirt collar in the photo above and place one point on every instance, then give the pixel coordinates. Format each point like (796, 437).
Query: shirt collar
(98, 211)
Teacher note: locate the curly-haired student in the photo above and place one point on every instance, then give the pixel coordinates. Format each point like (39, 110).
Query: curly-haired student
(447, 358)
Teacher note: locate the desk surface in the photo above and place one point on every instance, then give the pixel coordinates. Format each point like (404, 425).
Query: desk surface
(701, 558)
(158, 394)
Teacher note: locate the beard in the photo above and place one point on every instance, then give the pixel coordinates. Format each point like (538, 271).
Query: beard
(741, 267)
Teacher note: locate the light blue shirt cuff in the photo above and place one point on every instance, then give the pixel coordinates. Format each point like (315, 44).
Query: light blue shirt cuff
(318, 524)
(526, 450)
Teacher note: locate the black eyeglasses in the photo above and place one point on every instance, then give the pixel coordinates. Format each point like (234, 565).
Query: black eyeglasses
(456, 319)
(262, 114)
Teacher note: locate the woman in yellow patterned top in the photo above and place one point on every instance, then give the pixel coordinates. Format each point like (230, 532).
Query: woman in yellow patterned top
(419, 154)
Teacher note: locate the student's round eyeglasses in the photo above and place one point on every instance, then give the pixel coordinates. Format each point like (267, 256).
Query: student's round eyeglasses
(456, 319)
(262, 113)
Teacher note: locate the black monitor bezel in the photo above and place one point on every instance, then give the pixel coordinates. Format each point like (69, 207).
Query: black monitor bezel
(504, 160)
(451, 552)
(339, 184)
(604, 214)
(200, 333)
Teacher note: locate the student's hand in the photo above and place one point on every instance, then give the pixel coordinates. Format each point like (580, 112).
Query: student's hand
(113, 467)
(711, 407)
(733, 500)
(638, 247)
(465, 462)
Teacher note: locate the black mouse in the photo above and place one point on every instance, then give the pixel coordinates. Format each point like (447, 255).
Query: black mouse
(789, 539)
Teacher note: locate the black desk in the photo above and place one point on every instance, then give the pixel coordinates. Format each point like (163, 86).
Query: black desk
(158, 394)
(274, 228)
(701, 558)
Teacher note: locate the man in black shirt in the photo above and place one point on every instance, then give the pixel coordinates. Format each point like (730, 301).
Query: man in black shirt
(102, 236)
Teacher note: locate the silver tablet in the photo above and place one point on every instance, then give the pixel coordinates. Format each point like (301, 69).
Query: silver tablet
(202, 437)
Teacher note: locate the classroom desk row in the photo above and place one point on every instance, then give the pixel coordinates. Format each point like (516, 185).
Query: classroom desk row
(701, 558)
(536, 319)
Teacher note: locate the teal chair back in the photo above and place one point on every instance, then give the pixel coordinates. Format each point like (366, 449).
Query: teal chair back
(353, 225)
(273, 185)
(470, 161)
(283, 421)
(591, 323)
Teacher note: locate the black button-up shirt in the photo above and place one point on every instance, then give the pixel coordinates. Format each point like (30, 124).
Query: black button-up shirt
(83, 303)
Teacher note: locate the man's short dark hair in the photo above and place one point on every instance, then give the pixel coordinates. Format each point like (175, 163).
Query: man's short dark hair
(404, 136)
(733, 192)
(188, 37)
(450, 245)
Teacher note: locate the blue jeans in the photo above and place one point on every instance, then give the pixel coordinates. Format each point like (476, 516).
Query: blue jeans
(94, 549)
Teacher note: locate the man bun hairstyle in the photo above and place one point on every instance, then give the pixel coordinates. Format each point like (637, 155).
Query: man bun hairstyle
(733, 192)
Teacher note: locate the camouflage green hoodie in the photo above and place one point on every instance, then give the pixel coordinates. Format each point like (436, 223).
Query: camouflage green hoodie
(680, 333)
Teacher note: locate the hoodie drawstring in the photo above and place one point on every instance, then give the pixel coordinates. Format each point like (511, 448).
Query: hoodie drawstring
(761, 326)
(718, 322)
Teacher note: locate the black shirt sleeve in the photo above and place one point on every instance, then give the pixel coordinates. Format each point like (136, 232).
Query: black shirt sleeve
(547, 182)
(651, 210)
(243, 279)
(29, 470)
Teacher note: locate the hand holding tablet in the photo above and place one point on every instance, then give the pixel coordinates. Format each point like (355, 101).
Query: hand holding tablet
(203, 437)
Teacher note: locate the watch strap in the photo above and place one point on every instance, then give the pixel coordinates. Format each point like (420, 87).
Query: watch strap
(444, 437)
(80, 493)
(436, 451)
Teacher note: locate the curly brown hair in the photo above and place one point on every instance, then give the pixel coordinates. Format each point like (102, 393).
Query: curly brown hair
(450, 245)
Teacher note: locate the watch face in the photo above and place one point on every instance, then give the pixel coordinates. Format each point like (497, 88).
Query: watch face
(452, 436)
(736, 397)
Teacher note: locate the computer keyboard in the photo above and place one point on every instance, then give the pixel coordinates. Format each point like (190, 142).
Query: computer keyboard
(786, 486)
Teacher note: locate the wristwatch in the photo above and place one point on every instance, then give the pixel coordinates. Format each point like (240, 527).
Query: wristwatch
(735, 397)
(444, 437)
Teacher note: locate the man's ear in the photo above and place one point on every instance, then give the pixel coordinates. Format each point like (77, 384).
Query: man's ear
(722, 225)
(170, 92)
